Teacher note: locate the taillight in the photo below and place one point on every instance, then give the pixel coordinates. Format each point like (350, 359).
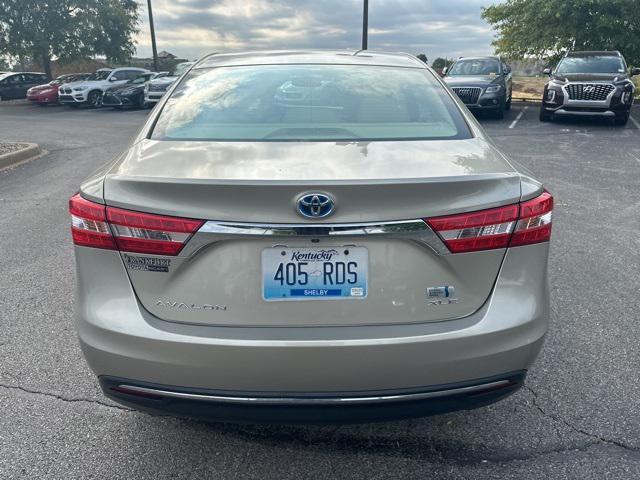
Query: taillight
(94, 225)
(514, 225)
(89, 227)
(534, 225)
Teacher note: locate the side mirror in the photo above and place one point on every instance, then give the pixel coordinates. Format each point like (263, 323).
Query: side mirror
(113, 79)
(635, 71)
(445, 70)
(507, 70)
(546, 71)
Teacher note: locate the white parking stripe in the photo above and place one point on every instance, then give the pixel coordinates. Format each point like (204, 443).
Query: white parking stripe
(635, 122)
(520, 115)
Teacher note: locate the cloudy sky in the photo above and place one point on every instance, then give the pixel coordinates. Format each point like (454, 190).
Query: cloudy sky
(190, 28)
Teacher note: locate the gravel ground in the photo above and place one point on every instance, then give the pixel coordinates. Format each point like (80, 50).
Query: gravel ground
(11, 147)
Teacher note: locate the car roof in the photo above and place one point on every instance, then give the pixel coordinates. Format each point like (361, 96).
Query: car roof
(329, 57)
(604, 53)
(141, 70)
(481, 57)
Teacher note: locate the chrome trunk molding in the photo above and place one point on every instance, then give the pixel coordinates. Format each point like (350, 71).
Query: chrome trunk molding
(417, 231)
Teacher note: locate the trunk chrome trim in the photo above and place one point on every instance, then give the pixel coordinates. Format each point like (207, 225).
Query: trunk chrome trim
(417, 231)
(288, 230)
(316, 400)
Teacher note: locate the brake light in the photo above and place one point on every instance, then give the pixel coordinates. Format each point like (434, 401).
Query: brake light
(89, 227)
(98, 226)
(514, 225)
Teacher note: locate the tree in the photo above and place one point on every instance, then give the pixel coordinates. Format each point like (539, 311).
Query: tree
(423, 57)
(440, 63)
(68, 29)
(548, 28)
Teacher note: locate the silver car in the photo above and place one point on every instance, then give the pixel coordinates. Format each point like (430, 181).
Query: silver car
(362, 253)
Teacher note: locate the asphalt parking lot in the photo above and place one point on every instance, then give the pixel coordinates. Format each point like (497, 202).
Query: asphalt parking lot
(578, 417)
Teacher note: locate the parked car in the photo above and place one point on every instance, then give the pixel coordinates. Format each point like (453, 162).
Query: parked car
(369, 258)
(89, 91)
(47, 94)
(595, 84)
(482, 83)
(156, 88)
(131, 94)
(14, 85)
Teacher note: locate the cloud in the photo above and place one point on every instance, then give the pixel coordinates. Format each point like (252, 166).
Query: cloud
(191, 28)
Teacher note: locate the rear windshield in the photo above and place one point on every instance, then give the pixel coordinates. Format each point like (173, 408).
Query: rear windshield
(591, 64)
(310, 103)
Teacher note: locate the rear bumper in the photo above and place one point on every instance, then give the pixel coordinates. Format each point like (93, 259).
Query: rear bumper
(249, 407)
(122, 340)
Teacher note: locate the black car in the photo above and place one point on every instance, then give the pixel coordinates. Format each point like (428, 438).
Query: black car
(589, 84)
(130, 94)
(482, 83)
(15, 84)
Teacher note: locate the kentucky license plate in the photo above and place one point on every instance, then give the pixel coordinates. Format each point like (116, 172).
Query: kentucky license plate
(314, 273)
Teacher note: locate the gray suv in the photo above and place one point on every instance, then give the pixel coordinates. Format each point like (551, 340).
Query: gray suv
(594, 84)
(482, 83)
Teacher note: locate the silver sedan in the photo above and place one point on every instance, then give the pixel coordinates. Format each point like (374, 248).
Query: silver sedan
(311, 237)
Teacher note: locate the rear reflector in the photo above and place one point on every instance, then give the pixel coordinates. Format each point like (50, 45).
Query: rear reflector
(514, 225)
(98, 226)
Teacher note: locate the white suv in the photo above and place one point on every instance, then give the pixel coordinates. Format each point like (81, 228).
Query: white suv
(90, 91)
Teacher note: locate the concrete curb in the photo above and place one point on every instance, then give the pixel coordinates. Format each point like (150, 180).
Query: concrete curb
(31, 151)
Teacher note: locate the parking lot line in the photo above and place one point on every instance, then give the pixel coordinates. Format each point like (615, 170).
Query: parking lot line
(520, 115)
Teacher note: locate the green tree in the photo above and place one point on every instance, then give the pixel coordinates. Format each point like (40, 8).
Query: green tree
(68, 29)
(423, 57)
(548, 28)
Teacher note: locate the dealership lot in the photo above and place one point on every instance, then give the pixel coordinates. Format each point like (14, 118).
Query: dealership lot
(577, 417)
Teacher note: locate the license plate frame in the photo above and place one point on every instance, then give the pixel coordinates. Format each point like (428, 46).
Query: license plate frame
(350, 282)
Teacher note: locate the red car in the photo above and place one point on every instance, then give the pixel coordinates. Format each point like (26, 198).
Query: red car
(48, 93)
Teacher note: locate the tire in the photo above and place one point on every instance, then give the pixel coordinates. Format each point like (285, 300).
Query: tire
(499, 113)
(1, 99)
(507, 106)
(94, 100)
(622, 120)
(544, 116)
(141, 103)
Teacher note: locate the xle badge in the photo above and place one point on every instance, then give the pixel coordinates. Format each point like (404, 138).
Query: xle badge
(437, 296)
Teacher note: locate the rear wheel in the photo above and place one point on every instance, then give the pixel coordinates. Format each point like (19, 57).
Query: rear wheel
(544, 116)
(94, 100)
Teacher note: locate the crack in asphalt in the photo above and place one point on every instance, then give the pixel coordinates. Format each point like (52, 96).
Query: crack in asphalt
(64, 399)
(435, 450)
(560, 419)
(445, 452)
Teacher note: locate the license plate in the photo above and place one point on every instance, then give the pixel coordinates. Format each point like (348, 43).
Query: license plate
(330, 273)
